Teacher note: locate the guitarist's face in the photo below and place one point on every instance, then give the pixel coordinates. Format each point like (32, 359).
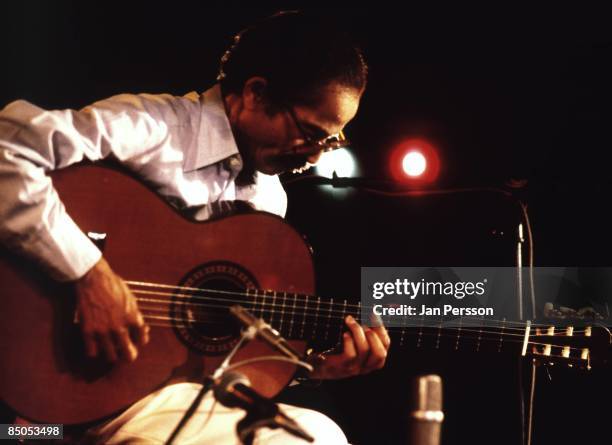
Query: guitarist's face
(273, 140)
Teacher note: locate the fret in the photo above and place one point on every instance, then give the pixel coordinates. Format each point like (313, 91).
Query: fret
(439, 334)
(329, 313)
(316, 320)
(282, 313)
(403, 331)
(250, 305)
(292, 315)
(479, 339)
(273, 309)
(420, 334)
(267, 308)
(501, 335)
(305, 311)
(262, 304)
(458, 333)
(252, 298)
(253, 294)
(341, 323)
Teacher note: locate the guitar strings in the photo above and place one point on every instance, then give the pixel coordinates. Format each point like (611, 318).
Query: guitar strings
(303, 314)
(450, 336)
(307, 299)
(257, 294)
(223, 320)
(458, 330)
(444, 334)
(274, 305)
(489, 335)
(254, 293)
(297, 324)
(322, 314)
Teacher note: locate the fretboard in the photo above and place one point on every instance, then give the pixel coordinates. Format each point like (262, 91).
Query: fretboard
(303, 317)
(321, 321)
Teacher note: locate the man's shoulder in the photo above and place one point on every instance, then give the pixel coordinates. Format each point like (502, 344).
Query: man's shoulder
(154, 107)
(143, 100)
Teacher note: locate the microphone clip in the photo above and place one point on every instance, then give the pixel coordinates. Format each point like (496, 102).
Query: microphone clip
(234, 390)
(268, 415)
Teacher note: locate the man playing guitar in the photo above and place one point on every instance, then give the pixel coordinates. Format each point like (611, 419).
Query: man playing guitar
(284, 94)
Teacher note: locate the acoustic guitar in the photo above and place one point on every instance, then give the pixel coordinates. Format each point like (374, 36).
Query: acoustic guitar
(185, 276)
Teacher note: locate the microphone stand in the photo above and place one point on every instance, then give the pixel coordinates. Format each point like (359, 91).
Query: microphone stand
(209, 381)
(262, 412)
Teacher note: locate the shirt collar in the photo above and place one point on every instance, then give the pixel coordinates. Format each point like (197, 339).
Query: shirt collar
(215, 140)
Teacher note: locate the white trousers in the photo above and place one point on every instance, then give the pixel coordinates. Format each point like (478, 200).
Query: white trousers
(153, 419)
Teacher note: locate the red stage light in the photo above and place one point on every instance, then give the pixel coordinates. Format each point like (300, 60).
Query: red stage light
(414, 161)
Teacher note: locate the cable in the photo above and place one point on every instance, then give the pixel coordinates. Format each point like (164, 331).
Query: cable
(521, 399)
(529, 426)
(277, 358)
(531, 398)
(531, 258)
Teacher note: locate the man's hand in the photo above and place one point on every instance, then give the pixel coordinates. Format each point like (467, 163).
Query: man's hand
(364, 350)
(108, 313)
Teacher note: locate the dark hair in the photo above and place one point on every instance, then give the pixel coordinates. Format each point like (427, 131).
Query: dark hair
(296, 52)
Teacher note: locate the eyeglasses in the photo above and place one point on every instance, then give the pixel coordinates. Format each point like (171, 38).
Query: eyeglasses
(328, 143)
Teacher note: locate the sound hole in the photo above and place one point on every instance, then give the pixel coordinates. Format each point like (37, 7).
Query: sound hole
(200, 309)
(208, 312)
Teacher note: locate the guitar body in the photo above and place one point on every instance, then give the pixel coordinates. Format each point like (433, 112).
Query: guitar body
(45, 375)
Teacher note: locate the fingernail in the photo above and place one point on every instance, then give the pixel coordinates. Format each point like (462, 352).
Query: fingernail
(350, 319)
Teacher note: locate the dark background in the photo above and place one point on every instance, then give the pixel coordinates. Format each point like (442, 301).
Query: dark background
(503, 94)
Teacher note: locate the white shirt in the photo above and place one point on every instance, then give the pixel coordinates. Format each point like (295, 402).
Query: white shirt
(182, 146)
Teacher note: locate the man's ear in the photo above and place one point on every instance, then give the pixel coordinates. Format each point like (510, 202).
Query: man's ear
(254, 93)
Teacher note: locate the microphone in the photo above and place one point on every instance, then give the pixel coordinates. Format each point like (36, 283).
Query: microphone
(226, 393)
(264, 331)
(426, 414)
(234, 391)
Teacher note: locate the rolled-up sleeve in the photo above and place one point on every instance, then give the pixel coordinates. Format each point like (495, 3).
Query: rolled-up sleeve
(34, 141)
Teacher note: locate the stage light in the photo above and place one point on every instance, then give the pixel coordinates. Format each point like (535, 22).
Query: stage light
(341, 161)
(414, 163)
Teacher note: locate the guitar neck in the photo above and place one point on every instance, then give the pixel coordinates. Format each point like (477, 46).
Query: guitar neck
(321, 322)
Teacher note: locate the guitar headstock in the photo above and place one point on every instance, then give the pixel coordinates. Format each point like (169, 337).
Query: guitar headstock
(576, 338)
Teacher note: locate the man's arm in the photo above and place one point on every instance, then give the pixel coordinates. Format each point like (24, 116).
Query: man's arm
(33, 219)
